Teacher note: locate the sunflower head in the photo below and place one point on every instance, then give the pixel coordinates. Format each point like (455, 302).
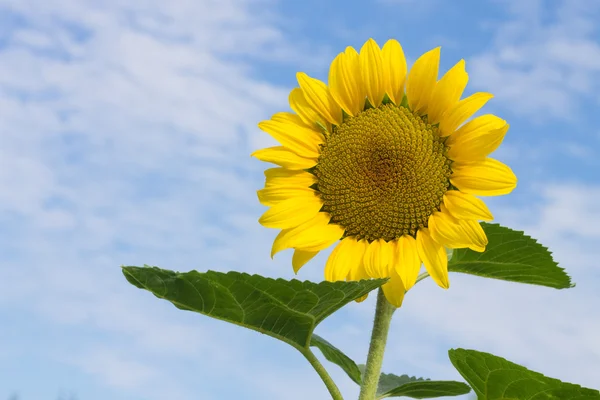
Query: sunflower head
(384, 164)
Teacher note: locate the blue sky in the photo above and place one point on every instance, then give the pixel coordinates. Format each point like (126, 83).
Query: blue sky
(125, 134)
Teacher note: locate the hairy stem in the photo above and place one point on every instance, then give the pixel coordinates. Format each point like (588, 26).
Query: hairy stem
(383, 316)
(331, 386)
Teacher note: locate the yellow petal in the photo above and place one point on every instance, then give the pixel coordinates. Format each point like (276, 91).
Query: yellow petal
(345, 84)
(394, 64)
(472, 233)
(301, 257)
(357, 271)
(361, 298)
(318, 97)
(281, 156)
(288, 117)
(306, 113)
(287, 238)
(314, 235)
(336, 267)
(407, 260)
(447, 231)
(421, 80)
(378, 258)
(346, 256)
(466, 206)
(394, 290)
(372, 72)
(291, 212)
(447, 92)
(478, 145)
(274, 194)
(489, 177)
(481, 124)
(434, 258)
(294, 119)
(462, 111)
(477, 236)
(288, 178)
(299, 139)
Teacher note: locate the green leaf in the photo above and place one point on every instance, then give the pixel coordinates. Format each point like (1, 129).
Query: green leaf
(391, 385)
(428, 389)
(494, 378)
(337, 357)
(511, 256)
(388, 382)
(286, 310)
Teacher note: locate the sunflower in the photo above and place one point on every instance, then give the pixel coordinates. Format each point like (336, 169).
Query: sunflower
(383, 164)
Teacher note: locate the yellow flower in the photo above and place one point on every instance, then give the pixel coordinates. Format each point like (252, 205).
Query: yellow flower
(383, 163)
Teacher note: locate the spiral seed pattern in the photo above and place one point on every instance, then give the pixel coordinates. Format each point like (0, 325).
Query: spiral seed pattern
(382, 173)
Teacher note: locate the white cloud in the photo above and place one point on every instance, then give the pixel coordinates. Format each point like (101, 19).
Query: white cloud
(542, 59)
(570, 211)
(126, 134)
(116, 370)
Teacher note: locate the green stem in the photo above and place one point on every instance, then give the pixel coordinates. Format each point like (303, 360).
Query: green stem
(331, 386)
(383, 316)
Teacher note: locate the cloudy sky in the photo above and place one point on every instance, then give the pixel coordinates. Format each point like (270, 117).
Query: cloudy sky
(125, 134)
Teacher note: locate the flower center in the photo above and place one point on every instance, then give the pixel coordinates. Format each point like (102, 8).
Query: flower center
(382, 173)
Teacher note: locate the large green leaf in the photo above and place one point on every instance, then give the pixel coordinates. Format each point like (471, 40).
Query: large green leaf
(337, 357)
(512, 256)
(494, 378)
(286, 310)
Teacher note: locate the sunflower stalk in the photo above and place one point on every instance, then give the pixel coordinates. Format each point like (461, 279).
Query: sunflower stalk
(381, 325)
